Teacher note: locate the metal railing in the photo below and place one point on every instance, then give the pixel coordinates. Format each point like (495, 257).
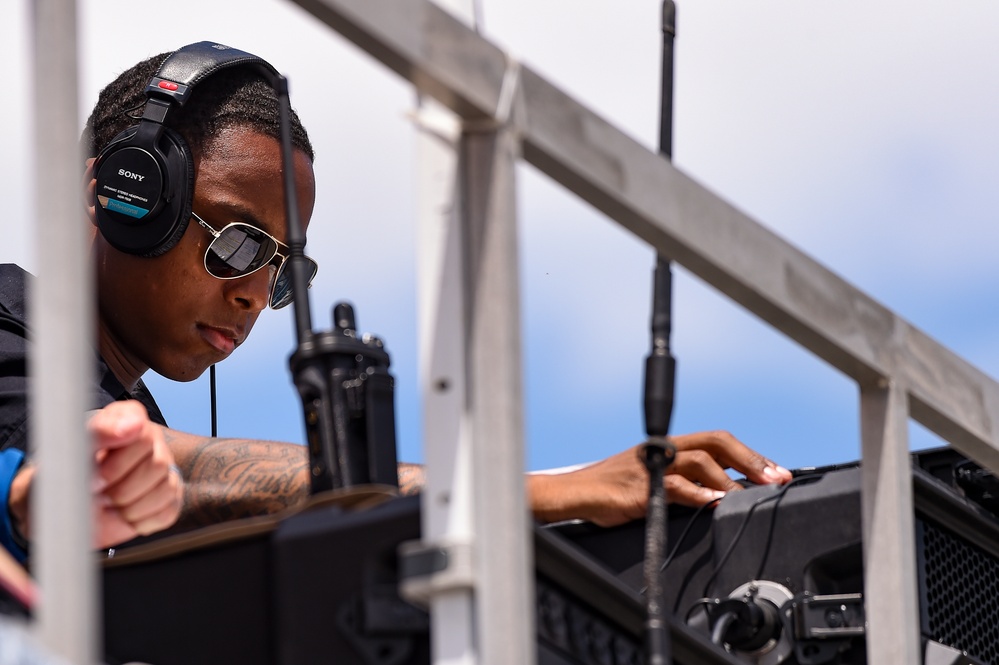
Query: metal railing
(508, 112)
(900, 372)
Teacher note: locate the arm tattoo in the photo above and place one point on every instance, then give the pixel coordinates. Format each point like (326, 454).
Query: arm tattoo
(232, 478)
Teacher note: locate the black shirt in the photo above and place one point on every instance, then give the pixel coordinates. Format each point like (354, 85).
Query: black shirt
(14, 386)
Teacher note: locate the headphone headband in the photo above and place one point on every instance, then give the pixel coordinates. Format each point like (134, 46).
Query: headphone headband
(188, 66)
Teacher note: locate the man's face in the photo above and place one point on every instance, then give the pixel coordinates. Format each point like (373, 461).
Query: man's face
(167, 313)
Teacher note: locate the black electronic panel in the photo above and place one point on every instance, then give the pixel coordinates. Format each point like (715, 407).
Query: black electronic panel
(799, 549)
(321, 587)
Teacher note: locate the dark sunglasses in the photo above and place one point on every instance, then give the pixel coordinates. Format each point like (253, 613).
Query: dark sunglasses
(239, 250)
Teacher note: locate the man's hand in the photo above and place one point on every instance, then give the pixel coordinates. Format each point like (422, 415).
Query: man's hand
(615, 490)
(138, 490)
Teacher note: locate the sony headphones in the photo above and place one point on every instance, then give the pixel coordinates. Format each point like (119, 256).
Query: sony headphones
(145, 175)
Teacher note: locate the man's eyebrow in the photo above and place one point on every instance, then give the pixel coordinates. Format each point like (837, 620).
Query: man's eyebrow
(249, 218)
(253, 221)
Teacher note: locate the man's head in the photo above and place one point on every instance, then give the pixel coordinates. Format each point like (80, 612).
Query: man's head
(167, 312)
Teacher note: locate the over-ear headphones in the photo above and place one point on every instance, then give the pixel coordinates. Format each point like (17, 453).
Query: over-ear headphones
(145, 175)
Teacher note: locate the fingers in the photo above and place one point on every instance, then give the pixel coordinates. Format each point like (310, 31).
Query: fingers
(138, 489)
(699, 466)
(682, 491)
(118, 424)
(699, 473)
(131, 509)
(730, 453)
(126, 474)
(155, 509)
(90, 189)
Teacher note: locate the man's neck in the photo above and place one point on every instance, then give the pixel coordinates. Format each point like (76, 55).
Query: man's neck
(124, 368)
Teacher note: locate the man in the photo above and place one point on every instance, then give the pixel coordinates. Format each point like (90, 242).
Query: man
(189, 301)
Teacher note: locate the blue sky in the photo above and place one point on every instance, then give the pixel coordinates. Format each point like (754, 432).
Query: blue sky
(863, 132)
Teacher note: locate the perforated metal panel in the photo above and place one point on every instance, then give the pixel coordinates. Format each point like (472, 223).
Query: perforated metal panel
(960, 588)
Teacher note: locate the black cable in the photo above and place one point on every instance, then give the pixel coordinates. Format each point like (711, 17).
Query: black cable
(697, 605)
(768, 541)
(683, 536)
(686, 531)
(745, 522)
(211, 383)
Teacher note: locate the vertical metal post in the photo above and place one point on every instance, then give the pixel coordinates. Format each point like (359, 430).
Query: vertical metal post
(474, 506)
(504, 573)
(447, 518)
(62, 320)
(474, 501)
(889, 527)
(447, 515)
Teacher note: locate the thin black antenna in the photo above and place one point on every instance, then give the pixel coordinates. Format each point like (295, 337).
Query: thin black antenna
(666, 103)
(660, 375)
(296, 234)
(347, 392)
(660, 367)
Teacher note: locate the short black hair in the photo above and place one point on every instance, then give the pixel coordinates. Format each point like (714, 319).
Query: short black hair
(235, 97)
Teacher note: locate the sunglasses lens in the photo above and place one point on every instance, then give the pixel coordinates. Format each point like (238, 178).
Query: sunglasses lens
(281, 294)
(240, 250)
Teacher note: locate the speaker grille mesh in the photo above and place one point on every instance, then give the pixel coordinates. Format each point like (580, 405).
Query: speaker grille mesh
(961, 594)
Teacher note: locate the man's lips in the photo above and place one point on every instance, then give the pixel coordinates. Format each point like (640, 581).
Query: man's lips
(222, 339)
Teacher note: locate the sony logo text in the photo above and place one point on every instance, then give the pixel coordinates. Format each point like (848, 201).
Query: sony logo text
(129, 174)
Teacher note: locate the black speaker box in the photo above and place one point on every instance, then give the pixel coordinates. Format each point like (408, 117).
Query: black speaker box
(806, 540)
(321, 587)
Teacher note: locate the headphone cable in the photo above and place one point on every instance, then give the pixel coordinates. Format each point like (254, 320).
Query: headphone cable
(211, 382)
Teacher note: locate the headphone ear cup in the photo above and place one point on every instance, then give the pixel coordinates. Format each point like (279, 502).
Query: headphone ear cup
(144, 192)
(179, 200)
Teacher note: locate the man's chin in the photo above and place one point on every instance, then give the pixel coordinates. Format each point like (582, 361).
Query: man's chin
(182, 374)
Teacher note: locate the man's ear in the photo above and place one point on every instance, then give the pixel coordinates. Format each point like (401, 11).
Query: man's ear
(89, 191)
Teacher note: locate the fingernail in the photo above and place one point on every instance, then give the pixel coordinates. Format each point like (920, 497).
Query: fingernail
(716, 494)
(772, 474)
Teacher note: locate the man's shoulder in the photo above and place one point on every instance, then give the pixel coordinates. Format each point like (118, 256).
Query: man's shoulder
(13, 279)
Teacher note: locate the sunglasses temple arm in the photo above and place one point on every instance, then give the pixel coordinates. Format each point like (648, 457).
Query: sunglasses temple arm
(296, 234)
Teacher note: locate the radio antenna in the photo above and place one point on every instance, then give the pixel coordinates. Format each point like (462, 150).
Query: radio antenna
(660, 374)
(296, 234)
(342, 378)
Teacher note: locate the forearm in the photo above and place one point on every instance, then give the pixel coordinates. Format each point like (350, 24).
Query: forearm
(232, 478)
(549, 497)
